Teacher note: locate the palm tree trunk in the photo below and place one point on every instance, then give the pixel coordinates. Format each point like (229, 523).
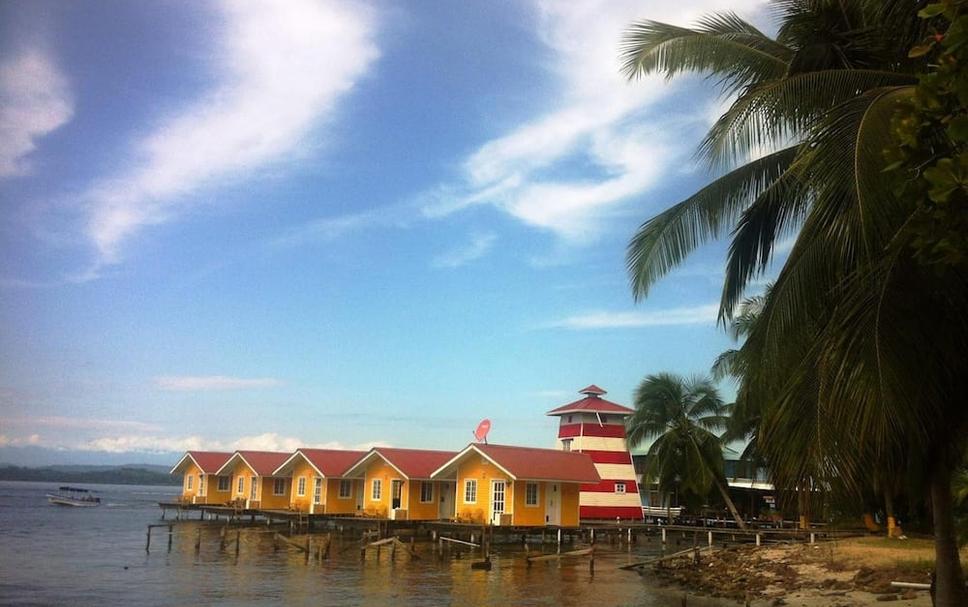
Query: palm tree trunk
(889, 512)
(949, 580)
(730, 505)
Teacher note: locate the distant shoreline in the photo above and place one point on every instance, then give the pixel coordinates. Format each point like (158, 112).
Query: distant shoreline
(119, 475)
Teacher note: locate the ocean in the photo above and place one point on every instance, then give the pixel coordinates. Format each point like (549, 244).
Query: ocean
(52, 555)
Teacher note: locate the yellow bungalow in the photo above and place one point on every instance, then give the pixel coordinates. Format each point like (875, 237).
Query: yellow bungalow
(397, 484)
(318, 481)
(252, 480)
(200, 483)
(519, 486)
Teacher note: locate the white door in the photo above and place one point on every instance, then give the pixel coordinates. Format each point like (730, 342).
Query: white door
(446, 510)
(317, 493)
(497, 501)
(552, 504)
(359, 487)
(254, 490)
(396, 494)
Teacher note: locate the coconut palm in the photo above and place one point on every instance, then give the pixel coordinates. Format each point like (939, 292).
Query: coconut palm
(680, 416)
(858, 351)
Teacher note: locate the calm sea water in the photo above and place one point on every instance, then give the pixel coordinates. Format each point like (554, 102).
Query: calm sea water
(53, 555)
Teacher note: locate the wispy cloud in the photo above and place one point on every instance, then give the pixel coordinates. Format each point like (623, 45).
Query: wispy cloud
(193, 383)
(35, 99)
(596, 121)
(479, 246)
(686, 315)
(20, 441)
(269, 441)
(280, 69)
(78, 423)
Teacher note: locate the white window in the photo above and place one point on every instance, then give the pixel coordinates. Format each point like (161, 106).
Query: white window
(531, 494)
(345, 488)
(619, 487)
(241, 488)
(300, 486)
(376, 492)
(188, 481)
(566, 444)
(224, 483)
(317, 490)
(426, 492)
(279, 486)
(470, 491)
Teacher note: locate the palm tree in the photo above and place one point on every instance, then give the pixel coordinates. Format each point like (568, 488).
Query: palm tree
(680, 416)
(859, 349)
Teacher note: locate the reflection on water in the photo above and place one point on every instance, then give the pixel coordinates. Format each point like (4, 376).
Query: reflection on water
(57, 556)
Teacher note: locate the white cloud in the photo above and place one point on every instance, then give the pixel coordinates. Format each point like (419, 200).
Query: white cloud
(77, 423)
(269, 441)
(19, 441)
(478, 247)
(189, 383)
(281, 69)
(686, 315)
(596, 121)
(35, 99)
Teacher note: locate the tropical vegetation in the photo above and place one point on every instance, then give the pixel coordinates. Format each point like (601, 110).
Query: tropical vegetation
(681, 417)
(845, 131)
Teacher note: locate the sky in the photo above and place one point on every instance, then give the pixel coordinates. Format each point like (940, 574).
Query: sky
(269, 225)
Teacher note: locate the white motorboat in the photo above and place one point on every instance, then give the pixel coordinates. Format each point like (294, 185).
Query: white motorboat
(73, 496)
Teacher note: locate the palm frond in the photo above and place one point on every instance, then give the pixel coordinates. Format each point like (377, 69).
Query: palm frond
(723, 45)
(664, 241)
(785, 109)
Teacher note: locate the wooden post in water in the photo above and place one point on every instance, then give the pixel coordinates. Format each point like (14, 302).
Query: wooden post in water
(308, 539)
(663, 535)
(198, 540)
(238, 534)
(709, 537)
(559, 541)
(170, 534)
(148, 542)
(591, 562)
(757, 539)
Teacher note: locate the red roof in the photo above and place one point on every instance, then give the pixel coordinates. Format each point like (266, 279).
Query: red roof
(263, 463)
(332, 462)
(415, 463)
(529, 463)
(592, 403)
(208, 461)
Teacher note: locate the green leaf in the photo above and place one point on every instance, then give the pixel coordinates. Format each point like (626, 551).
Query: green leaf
(931, 10)
(920, 50)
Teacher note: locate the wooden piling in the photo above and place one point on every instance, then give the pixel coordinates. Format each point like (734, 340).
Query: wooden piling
(148, 542)
(238, 534)
(198, 540)
(171, 533)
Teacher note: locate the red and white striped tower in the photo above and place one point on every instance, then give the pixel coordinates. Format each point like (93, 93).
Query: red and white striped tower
(596, 426)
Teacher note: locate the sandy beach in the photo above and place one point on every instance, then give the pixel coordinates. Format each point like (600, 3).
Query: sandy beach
(852, 572)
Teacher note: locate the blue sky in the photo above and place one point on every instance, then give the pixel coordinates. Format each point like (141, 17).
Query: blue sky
(246, 224)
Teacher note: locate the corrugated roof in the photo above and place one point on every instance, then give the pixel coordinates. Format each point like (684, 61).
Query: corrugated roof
(332, 462)
(530, 463)
(208, 461)
(263, 463)
(415, 463)
(592, 404)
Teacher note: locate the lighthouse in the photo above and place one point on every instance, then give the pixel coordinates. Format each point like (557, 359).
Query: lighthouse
(596, 426)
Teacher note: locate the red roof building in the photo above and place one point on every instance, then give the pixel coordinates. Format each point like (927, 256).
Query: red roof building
(596, 426)
(208, 462)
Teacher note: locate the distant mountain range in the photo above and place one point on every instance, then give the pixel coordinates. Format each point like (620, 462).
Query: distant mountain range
(125, 474)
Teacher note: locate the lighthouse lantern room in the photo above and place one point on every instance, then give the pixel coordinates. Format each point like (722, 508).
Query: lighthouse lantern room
(596, 426)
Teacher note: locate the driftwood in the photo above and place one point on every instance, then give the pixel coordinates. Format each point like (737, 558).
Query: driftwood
(668, 557)
(552, 557)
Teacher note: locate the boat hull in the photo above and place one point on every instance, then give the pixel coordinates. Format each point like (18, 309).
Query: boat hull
(60, 500)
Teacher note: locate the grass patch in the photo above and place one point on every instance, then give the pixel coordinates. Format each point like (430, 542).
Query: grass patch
(881, 552)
